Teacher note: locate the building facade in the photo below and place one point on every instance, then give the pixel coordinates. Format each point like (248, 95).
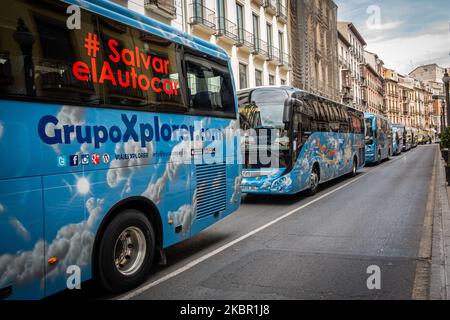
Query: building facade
(254, 33)
(345, 75)
(356, 60)
(392, 99)
(314, 36)
(373, 84)
(432, 75)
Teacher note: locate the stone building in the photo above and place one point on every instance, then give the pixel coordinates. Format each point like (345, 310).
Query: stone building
(356, 60)
(254, 33)
(373, 84)
(314, 37)
(345, 75)
(394, 108)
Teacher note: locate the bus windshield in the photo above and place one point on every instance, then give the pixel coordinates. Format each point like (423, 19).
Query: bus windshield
(261, 118)
(369, 131)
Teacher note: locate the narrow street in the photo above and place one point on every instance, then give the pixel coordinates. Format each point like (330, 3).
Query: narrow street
(319, 249)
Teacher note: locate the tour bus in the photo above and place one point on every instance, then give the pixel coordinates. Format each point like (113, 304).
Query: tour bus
(112, 135)
(293, 140)
(399, 137)
(409, 139)
(378, 138)
(414, 141)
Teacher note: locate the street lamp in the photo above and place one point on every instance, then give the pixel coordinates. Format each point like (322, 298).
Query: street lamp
(446, 81)
(442, 99)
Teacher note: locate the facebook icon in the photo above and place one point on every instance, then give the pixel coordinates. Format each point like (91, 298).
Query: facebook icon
(74, 160)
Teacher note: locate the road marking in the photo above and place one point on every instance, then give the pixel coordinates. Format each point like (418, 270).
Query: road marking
(199, 260)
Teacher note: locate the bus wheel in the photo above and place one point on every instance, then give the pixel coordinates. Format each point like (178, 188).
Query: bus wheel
(314, 181)
(126, 251)
(354, 167)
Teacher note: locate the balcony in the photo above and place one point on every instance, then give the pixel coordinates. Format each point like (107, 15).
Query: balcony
(285, 60)
(270, 6)
(260, 49)
(259, 3)
(164, 8)
(227, 30)
(202, 18)
(274, 55)
(282, 14)
(245, 40)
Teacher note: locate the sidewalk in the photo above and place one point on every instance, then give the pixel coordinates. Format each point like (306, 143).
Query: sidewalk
(440, 262)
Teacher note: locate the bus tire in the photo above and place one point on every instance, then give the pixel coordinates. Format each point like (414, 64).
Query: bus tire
(354, 171)
(126, 251)
(314, 180)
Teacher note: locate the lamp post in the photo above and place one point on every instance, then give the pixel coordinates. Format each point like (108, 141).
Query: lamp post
(446, 81)
(26, 39)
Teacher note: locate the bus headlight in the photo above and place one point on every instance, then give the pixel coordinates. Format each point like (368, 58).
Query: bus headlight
(282, 183)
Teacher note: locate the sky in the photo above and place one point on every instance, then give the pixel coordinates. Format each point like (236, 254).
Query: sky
(404, 33)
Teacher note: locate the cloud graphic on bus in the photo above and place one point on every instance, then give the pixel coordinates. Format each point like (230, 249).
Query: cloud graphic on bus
(74, 242)
(20, 229)
(72, 245)
(185, 215)
(68, 115)
(2, 129)
(181, 154)
(2, 208)
(123, 170)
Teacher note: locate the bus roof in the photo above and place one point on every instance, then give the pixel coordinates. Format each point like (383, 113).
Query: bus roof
(120, 13)
(292, 89)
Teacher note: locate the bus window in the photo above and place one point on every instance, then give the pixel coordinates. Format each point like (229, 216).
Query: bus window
(165, 92)
(209, 87)
(369, 131)
(39, 53)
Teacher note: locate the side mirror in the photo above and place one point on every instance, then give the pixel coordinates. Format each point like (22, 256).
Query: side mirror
(287, 112)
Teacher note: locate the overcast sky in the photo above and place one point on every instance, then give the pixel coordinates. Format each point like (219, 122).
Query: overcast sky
(404, 33)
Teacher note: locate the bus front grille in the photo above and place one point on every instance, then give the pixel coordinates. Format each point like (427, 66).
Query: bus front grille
(211, 195)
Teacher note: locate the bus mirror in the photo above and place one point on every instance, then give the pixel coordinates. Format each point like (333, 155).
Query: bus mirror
(287, 112)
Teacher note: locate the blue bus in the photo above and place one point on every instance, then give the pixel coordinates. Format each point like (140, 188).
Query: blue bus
(409, 139)
(112, 140)
(399, 132)
(293, 140)
(378, 138)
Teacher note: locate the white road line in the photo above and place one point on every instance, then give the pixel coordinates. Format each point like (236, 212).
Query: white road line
(199, 260)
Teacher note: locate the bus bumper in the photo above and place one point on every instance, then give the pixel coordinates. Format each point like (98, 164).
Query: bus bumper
(370, 158)
(273, 183)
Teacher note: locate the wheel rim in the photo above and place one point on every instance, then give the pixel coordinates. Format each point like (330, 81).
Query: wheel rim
(314, 181)
(354, 167)
(129, 251)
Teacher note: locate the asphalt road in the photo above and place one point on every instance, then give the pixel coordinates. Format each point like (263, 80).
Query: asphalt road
(321, 251)
(314, 248)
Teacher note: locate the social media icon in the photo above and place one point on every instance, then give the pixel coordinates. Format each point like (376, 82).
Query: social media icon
(106, 158)
(95, 158)
(62, 161)
(74, 160)
(84, 159)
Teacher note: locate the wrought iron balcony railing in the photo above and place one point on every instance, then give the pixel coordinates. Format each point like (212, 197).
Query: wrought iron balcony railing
(201, 15)
(246, 39)
(260, 48)
(282, 11)
(274, 53)
(227, 28)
